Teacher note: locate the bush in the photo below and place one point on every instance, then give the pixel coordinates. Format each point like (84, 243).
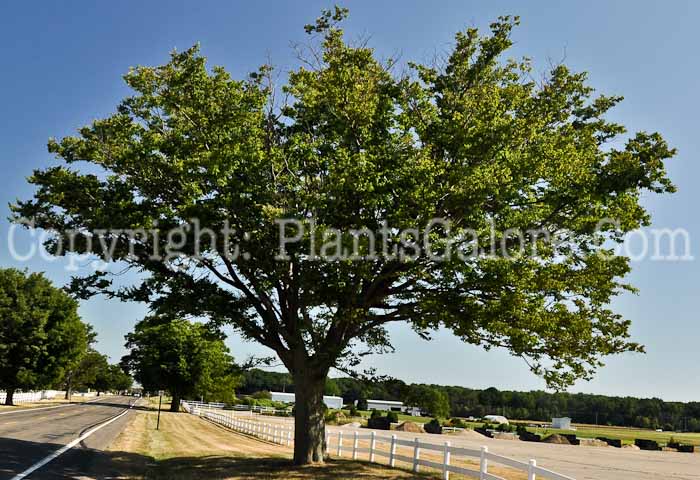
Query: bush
(458, 423)
(379, 423)
(433, 426)
(262, 395)
(353, 411)
(393, 417)
(375, 414)
(506, 427)
(362, 404)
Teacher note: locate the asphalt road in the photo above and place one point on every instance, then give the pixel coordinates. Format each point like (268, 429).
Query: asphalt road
(27, 437)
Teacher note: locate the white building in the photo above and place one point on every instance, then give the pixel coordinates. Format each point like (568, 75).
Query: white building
(500, 419)
(562, 423)
(393, 406)
(330, 401)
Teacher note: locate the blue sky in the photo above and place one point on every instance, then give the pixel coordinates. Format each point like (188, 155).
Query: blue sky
(62, 64)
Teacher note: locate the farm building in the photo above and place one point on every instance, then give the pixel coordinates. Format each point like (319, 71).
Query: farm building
(330, 401)
(391, 405)
(500, 419)
(562, 423)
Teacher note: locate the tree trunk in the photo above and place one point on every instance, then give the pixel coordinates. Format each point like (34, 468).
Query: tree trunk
(69, 386)
(309, 417)
(9, 395)
(175, 403)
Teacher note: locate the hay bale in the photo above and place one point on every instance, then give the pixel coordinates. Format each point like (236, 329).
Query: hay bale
(557, 439)
(592, 442)
(352, 425)
(410, 427)
(505, 436)
(631, 447)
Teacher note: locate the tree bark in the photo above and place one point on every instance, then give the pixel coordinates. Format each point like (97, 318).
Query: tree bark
(9, 396)
(309, 416)
(175, 402)
(69, 386)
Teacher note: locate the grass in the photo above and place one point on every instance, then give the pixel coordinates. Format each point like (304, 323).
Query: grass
(626, 434)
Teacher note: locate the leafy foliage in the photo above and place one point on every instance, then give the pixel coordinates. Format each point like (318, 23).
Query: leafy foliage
(41, 334)
(474, 141)
(185, 358)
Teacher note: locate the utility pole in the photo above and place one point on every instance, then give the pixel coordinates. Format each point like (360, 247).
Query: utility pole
(160, 402)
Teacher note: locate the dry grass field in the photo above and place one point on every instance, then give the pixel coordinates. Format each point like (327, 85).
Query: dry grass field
(188, 447)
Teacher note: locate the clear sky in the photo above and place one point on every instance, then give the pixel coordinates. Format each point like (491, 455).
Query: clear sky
(62, 64)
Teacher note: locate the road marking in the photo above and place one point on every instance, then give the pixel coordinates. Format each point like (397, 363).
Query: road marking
(67, 447)
(48, 408)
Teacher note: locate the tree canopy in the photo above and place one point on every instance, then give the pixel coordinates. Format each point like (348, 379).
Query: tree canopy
(41, 334)
(186, 359)
(352, 145)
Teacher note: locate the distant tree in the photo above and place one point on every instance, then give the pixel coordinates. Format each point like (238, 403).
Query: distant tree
(185, 358)
(332, 388)
(41, 334)
(92, 372)
(473, 140)
(119, 380)
(431, 401)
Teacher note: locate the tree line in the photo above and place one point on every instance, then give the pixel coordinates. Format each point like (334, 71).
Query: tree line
(44, 343)
(533, 405)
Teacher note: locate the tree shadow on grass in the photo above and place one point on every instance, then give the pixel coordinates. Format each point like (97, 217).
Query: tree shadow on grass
(239, 468)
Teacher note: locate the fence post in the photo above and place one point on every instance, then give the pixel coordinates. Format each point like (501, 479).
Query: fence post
(446, 462)
(327, 445)
(340, 444)
(416, 455)
(372, 444)
(484, 464)
(392, 451)
(354, 445)
(289, 438)
(531, 469)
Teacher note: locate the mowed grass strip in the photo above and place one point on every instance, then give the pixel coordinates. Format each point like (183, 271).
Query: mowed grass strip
(188, 447)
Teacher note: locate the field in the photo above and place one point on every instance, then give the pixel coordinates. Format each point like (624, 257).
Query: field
(188, 447)
(626, 434)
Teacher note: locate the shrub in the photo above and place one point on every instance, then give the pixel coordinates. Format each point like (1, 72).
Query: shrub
(457, 422)
(505, 427)
(393, 417)
(375, 414)
(353, 411)
(262, 395)
(379, 423)
(433, 426)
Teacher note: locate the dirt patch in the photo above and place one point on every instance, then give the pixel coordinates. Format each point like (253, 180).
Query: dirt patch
(471, 434)
(410, 427)
(556, 439)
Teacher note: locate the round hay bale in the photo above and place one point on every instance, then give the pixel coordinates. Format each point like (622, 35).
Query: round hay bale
(557, 439)
(631, 446)
(410, 427)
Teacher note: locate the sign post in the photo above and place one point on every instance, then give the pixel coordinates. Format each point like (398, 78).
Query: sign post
(160, 402)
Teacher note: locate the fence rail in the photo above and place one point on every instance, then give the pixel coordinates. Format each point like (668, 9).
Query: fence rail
(373, 445)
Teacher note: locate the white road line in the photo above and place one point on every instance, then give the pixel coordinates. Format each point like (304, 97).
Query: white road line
(47, 408)
(67, 447)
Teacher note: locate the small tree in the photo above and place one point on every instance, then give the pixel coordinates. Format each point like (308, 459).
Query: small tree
(473, 141)
(187, 359)
(430, 400)
(41, 334)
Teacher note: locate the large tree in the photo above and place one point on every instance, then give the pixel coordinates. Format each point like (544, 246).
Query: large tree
(41, 334)
(186, 359)
(352, 144)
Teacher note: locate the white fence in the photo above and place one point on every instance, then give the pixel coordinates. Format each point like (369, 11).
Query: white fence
(30, 397)
(445, 452)
(275, 433)
(378, 445)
